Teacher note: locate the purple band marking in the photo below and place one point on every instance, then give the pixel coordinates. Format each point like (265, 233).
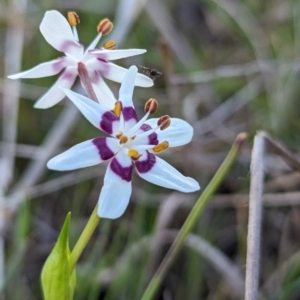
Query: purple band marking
(68, 45)
(102, 66)
(152, 138)
(104, 151)
(123, 172)
(144, 166)
(129, 113)
(106, 123)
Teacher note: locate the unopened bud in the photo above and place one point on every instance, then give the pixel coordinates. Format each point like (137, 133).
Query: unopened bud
(105, 26)
(73, 18)
(151, 106)
(164, 122)
(110, 45)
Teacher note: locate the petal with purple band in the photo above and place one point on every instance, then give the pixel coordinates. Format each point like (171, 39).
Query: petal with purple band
(147, 140)
(45, 69)
(116, 191)
(107, 147)
(177, 134)
(97, 114)
(57, 32)
(121, 165)
(163, 174)
(117, 54)
(114, 196)
(86, 154)
(109, 122)
(116, 73)
(55, 94)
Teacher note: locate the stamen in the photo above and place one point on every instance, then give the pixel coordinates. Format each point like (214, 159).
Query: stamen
(161, 147)
(110, 45)
(118, 108)
(164, 122)
(134, 154)
(119, 134)
(105, 26)
(73, 18)
(151, 106)
(123, 139)
(86, 81)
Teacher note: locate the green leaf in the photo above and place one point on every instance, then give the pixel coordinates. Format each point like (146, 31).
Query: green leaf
(58, 281)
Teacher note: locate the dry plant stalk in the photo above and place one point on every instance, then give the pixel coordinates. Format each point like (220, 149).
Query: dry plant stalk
(255, 218)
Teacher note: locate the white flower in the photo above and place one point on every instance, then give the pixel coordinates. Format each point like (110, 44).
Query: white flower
(132, 143)
(58, 33)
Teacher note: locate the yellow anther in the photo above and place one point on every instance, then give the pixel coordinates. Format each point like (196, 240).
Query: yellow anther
(123, 139)
(161, 147)
(164, 122)
(110, 45)
(118, 108)
(73, 18)
(119, 134)
(133, 154)
(105, 26)
(151, 105)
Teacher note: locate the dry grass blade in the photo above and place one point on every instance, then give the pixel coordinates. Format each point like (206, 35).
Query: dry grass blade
(159, 14)
(32, 174)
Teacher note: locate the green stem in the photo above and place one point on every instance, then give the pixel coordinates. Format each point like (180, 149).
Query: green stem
(84, 237)
(193, 218)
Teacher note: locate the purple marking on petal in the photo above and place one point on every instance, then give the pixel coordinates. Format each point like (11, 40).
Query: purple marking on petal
(57, 66)
(102, 67)
(67, 75)
(104, 151)
(123, 172)
(152, 137)
(68, 45)
(106, 123)
(129, 113)
(144, 166)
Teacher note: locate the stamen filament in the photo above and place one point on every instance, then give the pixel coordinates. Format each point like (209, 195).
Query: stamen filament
(86, 82)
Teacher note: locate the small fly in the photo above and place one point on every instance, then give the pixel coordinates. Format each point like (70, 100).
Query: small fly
(152, 73)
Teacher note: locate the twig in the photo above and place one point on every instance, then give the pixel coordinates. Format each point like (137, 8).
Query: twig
(279, 149)
(255, 218)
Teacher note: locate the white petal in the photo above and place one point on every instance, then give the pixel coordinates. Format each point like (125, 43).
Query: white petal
(116, 54)
(58, 33)
(116, 73)
(86, 154)
(104, 94)
(115, 193)
(177, 134)
(127, 87)
(94, 112)
(45, 69)
(55, 93)
(159, 172)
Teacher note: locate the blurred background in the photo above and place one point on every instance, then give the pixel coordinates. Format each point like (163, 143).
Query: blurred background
(228, 66)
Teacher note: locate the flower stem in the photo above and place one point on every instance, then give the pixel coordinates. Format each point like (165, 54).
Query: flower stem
(193, 218)
(84, 238)
(86, 81)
